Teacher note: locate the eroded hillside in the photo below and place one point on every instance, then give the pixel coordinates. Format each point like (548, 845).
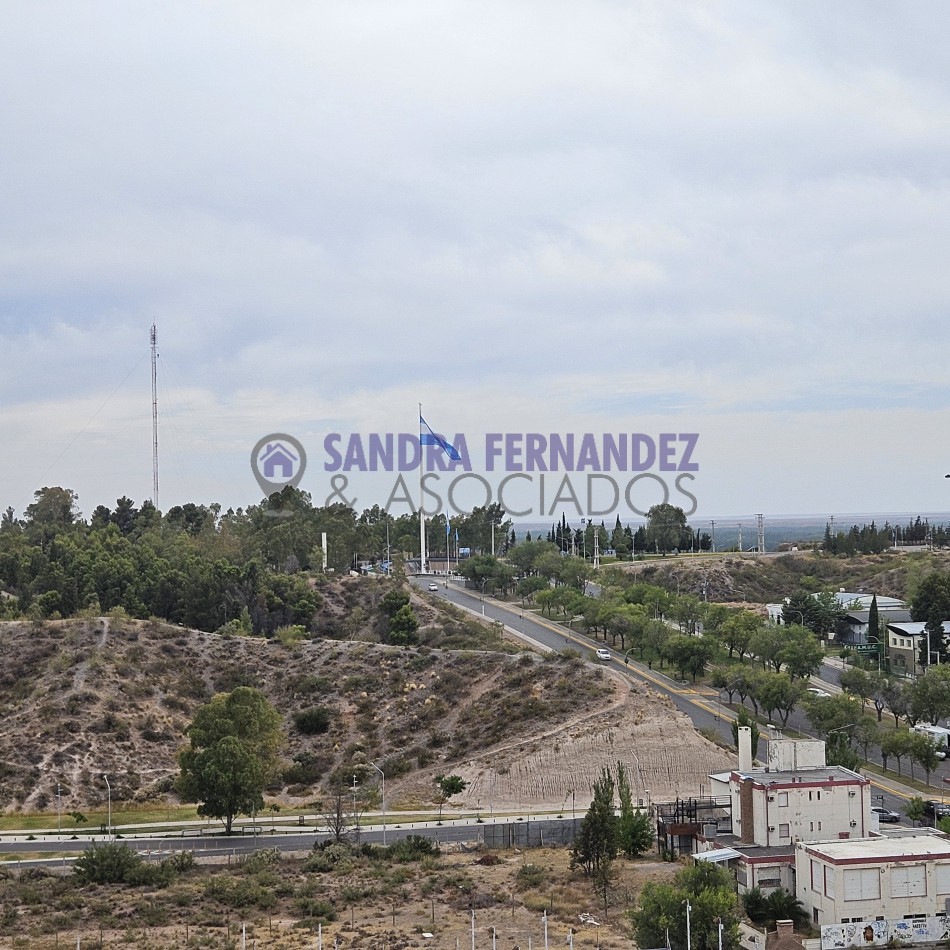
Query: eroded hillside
(83, 697)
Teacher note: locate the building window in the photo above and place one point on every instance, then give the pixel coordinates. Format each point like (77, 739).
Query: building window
(862, 884)
(816, 877)
(782, 799)
(814, 915)
(829, 881)
(783, 830)
(909, 881)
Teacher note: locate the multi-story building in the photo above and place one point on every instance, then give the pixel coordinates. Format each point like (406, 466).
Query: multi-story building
(796, 797)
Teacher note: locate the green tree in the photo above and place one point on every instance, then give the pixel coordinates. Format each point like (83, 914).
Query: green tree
(802, 653)
(690, 654)
(897, 697)
(233, 754)
(403, 627)
(661, 910)
(449, 785)
(666, 525)
(894, 744)
(931, 598)
(737, 631)
(635, 830)
(778, 692)
(923, 751)
(597, 839)
(915, 810)
(930, 695)
(874, 622)
(393, 601)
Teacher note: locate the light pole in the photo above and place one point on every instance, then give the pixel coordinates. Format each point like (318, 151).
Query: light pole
(59, 808)
(689, 939)
(382, 775)
(109, 788)
(793, 610)
(356, 814)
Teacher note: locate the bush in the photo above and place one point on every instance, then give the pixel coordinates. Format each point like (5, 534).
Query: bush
(412, 848)
(107, 864)
(313, 721)
(531, 875)
(261, 860)
(150, 875)
(330, 856)
(181, 862)
(318, 910)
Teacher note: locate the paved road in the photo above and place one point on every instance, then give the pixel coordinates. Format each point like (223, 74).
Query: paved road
(202, 845)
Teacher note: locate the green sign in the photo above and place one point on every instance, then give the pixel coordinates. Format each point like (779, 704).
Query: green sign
(867, 648)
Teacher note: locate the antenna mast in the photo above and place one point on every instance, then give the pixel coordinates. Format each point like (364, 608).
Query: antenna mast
(153, 338)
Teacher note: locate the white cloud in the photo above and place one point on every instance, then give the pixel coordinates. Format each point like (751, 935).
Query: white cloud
(728, 219)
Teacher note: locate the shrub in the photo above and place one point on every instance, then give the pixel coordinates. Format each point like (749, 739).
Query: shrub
(329, 856)
(412, 848)
(313, 721)
(261, 860)
(531, 875)
(319, 910)
(106, 864)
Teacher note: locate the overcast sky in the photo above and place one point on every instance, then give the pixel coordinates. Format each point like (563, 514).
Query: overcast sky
(725, 218)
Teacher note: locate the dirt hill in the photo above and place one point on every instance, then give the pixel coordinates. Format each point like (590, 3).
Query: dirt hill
(83, 697)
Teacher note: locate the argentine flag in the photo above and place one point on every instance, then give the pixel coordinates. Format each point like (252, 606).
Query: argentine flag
(428, 437)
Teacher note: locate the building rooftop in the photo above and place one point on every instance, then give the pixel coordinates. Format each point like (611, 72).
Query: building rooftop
(883, 848)
(810, 776)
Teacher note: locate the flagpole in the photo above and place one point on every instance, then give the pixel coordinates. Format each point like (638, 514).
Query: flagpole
(422, 517)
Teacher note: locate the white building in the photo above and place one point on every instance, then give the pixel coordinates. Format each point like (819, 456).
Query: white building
(878, 889)
(796, 797)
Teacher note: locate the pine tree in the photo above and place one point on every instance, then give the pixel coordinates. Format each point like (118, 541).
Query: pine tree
(597, 838)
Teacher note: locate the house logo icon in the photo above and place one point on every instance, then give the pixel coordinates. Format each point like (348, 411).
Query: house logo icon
(278, 460)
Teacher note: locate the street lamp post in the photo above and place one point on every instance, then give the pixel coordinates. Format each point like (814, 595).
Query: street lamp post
(109, 789)
(382, 775)
(59, 808)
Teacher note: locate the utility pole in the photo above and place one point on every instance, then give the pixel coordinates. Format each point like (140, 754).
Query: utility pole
(153, 339)
(712, 524)
(760, 543)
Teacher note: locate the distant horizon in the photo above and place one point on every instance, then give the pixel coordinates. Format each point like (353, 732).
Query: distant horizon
(726, 520)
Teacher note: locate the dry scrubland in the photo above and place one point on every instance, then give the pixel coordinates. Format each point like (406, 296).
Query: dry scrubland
(81, 697)
(378, 905)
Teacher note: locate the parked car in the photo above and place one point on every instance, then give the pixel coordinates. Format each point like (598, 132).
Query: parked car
(934, 811)
(602, 654)
(886, 815)
(818, 693)
(433, 586)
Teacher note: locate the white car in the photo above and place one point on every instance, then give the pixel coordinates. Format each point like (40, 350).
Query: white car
(433, 586)
(602, 654)
(818, 693)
